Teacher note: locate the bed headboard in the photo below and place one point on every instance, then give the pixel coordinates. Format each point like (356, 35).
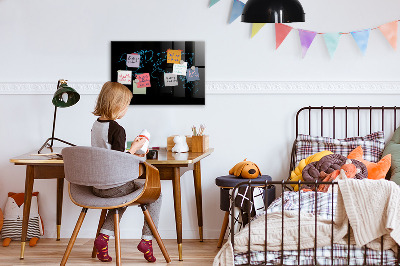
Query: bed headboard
(344, 121)
(347, 116)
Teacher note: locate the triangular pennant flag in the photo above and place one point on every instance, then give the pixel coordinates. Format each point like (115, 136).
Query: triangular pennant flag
(361, 37)
(213, 2)
(237, 9)
(332, 41)
(281, 31)
(306, 39)
(389, 30)
(256, 28)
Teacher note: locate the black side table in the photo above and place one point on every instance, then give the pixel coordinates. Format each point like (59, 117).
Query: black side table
(226, 183)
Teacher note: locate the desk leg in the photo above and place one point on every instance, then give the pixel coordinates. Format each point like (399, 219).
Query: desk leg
(60, 190)
(27, 206)
(176, 182)
(199, 204)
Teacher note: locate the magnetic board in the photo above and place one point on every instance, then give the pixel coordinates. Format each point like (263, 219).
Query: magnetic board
(152, 70)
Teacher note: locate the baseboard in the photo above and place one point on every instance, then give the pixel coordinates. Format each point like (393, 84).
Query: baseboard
(231, 87)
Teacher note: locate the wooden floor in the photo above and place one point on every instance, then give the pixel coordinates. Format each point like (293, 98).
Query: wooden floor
(50, 252)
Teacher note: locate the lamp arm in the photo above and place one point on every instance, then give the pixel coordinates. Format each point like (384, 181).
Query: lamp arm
(54, 118)
(54, 126)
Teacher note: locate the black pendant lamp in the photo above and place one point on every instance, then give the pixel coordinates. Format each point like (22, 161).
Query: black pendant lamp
(273, 11)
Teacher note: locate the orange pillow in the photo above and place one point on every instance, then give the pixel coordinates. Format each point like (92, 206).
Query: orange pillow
(375, 170)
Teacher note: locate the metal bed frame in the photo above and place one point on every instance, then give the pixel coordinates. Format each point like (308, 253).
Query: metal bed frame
(283, 184)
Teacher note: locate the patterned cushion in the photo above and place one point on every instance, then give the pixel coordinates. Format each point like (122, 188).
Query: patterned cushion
(372, 144)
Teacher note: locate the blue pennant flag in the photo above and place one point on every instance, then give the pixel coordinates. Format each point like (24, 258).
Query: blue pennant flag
(213, 2)
(361, 37)
(237, 9)
(332, 41)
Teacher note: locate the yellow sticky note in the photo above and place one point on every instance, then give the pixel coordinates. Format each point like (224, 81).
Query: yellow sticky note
(174, 56)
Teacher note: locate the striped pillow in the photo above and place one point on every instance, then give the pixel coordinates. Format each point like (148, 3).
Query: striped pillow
(372, 145)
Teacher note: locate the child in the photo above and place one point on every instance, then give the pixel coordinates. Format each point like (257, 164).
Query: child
(112, 103)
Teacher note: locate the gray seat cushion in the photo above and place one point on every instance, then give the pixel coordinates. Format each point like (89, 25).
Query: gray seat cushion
(83, 196)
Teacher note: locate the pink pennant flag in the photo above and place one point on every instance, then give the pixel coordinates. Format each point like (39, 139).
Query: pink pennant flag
(389, 30)
(306, 39)
(281, 31)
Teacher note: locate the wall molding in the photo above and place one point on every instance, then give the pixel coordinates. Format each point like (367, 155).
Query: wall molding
(232, 87)
(304, 87)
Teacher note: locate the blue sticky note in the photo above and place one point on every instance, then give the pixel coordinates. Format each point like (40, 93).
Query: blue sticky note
(192, 75)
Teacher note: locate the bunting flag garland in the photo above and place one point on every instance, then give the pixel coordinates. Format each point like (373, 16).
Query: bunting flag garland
(306, 39)
(389, 30)
(332, 41)
(281, 31)
(256, 27)
(237, 9)
(213, 2)
(361, 37)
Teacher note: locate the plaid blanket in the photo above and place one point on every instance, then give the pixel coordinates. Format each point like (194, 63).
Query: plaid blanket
(324, 257)
(323, 205)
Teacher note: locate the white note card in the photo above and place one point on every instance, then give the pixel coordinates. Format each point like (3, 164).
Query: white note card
(180, 69)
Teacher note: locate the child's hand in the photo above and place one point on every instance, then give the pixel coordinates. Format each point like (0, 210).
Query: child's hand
(137, 144)
(143, 155)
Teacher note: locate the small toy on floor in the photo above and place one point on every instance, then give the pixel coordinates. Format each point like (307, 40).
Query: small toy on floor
(13, 215)
(1, 219)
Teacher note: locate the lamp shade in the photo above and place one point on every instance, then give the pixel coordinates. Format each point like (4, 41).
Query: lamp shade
(273, 11)
(65, 96)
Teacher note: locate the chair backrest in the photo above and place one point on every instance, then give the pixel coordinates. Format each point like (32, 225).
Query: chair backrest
(92, 166)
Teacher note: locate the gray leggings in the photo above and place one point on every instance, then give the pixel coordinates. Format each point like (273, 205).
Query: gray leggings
(154, 208)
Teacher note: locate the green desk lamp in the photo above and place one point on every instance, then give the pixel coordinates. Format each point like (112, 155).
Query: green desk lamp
(65, 96)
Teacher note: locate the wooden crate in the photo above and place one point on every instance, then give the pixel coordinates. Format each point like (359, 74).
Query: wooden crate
(200, 143)
(171, 143)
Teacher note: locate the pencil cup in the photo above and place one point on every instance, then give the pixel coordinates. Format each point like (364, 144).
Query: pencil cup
(200, 143)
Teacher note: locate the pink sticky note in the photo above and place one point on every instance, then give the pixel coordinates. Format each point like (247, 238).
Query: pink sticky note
(144, 80)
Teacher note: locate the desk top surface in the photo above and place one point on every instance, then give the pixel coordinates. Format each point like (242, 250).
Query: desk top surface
(164, 157)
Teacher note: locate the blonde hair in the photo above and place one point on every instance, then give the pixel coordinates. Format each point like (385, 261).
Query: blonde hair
(112, 99)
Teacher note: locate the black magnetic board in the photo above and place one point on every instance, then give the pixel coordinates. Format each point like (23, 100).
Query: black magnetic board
(153, 60)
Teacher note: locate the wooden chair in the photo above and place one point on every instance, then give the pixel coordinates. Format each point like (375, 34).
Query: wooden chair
(85, 167)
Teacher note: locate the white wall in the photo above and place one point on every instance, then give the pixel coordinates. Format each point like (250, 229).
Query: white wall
(43, 41)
